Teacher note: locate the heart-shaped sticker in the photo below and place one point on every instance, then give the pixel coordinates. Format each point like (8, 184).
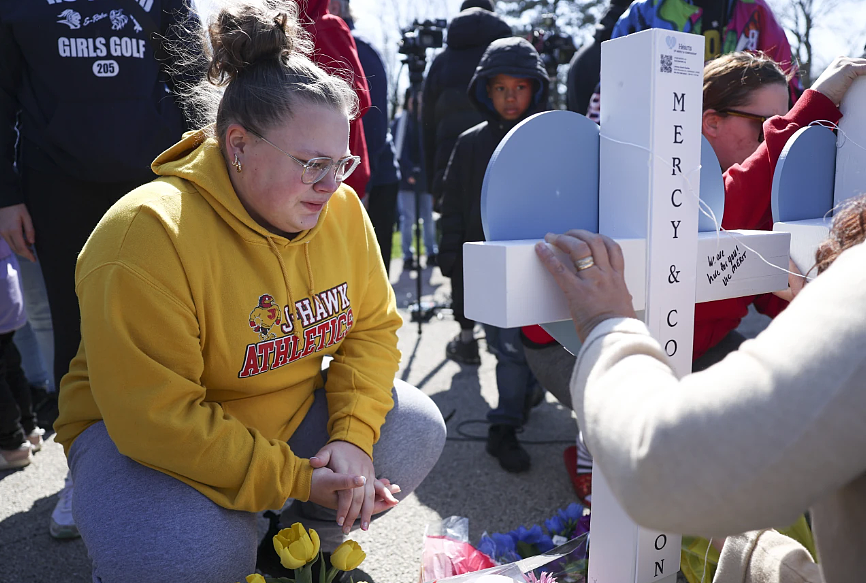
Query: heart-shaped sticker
(671, 41)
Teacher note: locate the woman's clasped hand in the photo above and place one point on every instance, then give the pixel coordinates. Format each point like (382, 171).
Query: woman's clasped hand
(344, 479)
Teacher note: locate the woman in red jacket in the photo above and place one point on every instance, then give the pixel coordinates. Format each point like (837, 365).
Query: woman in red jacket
(741, 91)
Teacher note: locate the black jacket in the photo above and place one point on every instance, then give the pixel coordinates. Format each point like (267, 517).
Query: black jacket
(464, 177)
(79, 81)
(585, 68)
(446, 111)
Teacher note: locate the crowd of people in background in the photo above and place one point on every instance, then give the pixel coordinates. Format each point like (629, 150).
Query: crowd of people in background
(67, 158)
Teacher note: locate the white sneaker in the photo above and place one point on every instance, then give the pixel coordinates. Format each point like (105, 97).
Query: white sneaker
(16, 458)
(35, 439)
(62, 524)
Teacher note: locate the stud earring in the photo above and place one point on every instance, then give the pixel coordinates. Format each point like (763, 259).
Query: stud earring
(237, 164)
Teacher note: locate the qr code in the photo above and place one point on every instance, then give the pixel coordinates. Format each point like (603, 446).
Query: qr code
(667, 62)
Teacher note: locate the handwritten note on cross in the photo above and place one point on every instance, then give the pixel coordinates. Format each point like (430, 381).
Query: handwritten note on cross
(638, 181)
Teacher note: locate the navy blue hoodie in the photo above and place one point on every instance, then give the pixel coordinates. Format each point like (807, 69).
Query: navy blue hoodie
(79, 80)
(380, 146)
(461, 202)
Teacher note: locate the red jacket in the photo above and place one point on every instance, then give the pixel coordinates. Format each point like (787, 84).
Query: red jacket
(747, 206)
(335, 50)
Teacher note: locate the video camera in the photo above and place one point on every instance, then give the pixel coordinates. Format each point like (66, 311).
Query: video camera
(555, 48)
(421, 36)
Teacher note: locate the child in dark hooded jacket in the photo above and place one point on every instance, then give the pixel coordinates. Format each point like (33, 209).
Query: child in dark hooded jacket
(509, 85)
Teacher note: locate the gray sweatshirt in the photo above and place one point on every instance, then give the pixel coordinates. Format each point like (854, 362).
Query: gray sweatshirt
(776, 428)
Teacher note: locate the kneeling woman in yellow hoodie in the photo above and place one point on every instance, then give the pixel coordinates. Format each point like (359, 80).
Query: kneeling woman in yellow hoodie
(209, 298)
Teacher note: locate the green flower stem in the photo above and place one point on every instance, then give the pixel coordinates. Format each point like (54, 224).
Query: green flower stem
(321, 566)
(304, 574)
(332, 572)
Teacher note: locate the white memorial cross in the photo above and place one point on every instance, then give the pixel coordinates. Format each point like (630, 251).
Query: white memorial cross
(636, 180)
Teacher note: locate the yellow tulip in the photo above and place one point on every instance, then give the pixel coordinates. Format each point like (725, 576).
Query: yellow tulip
(295, 547)
(347, 556)
(255, 578)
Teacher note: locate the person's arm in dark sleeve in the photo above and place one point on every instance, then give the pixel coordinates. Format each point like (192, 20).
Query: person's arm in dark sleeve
(376, 120)
(10, 81)
(452, 222)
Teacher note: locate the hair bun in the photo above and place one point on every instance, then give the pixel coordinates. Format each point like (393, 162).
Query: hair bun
(243, 36)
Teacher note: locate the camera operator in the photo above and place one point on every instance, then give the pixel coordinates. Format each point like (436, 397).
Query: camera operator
(555, 48)
(446, 111)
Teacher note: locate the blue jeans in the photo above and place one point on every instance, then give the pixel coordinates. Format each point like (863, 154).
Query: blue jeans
(406, 203)
(514, 380)
(35, 341)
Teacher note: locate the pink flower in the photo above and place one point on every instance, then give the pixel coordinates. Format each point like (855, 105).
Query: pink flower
(545, 578)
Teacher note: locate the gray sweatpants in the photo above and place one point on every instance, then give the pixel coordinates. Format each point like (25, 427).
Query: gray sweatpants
(142, 525)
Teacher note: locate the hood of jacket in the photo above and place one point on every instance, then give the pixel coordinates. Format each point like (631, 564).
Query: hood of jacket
(513, 56)
(314, 9)
(476, 27)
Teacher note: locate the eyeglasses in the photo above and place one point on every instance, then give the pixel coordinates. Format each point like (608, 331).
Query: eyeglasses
(752, 116)
(315, 169)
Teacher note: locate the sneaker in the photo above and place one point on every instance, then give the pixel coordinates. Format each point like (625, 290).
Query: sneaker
(62, 524)
(502, 444)
(408, 263)
(16, 458)
(463, 352)
(35, 439)
(432, 260)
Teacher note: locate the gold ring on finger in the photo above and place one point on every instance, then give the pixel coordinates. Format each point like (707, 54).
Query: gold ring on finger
(584, 263)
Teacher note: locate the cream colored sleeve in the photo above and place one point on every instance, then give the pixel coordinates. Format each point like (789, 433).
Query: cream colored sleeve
(725, 451)
(766, 556)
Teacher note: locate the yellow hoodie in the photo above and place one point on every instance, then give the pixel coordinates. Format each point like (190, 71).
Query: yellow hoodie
(203, 333)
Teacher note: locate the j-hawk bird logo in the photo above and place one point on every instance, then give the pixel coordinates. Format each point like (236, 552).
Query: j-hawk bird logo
(265, 316)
